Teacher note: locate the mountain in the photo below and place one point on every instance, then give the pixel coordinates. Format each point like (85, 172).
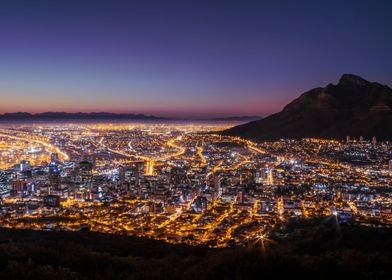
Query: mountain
(353, 107)
(106, 116)
(75, 116)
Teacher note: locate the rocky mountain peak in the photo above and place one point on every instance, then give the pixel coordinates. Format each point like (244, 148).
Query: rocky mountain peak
(352, 80)
(353, 107)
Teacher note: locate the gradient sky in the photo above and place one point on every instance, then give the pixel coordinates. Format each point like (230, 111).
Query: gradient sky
(185, 58)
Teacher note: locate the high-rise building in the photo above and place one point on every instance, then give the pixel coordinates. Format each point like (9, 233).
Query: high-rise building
(24, 165)
(178, 175)
(124, 177)
(3, 178)
(121, 175)
(374, 140)
(247, 177)
(68, 167)
(54, 157)
(18, 186)
(86, 170)
(25, 171)
(269, 177)
(199, 204)
(390, 165)
(241, 197)
(149, 170)
(54, 175)
(127, 176)
(136, 174)
(260, 176)
(214, 181)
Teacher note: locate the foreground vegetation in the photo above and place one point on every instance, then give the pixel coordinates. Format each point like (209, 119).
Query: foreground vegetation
(317, 249)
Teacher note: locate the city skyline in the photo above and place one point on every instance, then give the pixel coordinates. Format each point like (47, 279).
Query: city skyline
(188, 139)
(184, 60)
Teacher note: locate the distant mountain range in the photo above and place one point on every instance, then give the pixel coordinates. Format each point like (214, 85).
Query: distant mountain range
(105, 116)
(353, 107)
(73, 116)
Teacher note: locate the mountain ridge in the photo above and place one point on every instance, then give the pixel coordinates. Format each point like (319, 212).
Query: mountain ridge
(109, 116)
(78, 115)
(353, 107)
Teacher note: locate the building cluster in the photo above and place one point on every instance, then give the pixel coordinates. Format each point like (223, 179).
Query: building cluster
(179, 184)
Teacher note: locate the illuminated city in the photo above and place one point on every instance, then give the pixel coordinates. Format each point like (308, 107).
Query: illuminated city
(192, 140)
(183, 183)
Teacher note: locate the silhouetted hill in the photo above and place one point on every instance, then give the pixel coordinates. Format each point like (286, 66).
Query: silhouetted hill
(305, 249)
(72, 116)
(353, 107)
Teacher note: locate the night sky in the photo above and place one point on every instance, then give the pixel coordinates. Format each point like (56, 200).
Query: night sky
(185, 58)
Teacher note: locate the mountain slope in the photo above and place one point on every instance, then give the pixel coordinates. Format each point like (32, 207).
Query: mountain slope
(353, 107)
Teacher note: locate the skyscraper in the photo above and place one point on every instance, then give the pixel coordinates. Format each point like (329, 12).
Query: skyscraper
(54, 157)
(3, 178)
(54, 175)
(86, 170)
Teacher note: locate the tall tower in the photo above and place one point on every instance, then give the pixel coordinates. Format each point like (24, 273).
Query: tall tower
(54, 175)
(3, 178)
(121, 175)
(149, 168)
(54, 157)
(86, 170)
(241, 197)
(215, 182)
(269, 180)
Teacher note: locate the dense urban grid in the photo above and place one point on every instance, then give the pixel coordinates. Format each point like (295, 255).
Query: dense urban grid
(185, 183)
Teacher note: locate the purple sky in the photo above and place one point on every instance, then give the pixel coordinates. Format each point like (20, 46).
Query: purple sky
(185, 58)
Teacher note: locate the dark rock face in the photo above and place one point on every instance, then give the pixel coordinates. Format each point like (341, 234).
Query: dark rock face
(353, 107)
